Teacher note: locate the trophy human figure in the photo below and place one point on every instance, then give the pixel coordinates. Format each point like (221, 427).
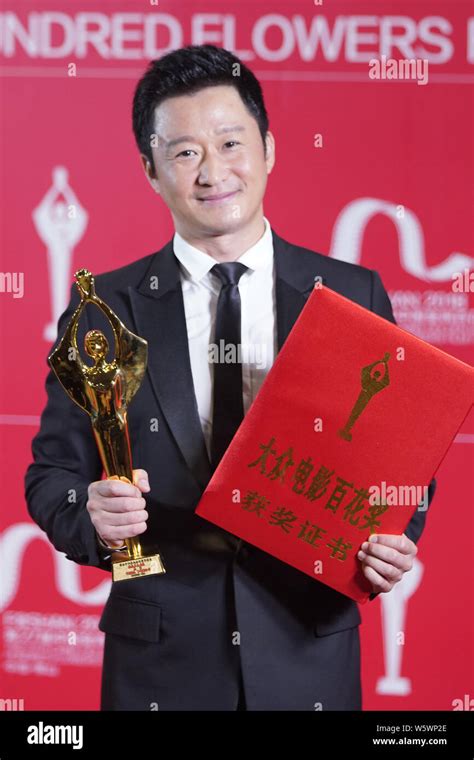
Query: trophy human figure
(374, 378)
(105, 390)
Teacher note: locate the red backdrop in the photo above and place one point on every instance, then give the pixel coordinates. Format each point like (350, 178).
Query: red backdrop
(388, 184)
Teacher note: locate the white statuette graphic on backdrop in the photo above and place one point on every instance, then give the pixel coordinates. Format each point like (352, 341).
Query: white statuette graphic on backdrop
(394, 607)
(60, 222)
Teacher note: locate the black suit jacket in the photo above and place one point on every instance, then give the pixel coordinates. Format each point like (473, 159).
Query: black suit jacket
(177, 641)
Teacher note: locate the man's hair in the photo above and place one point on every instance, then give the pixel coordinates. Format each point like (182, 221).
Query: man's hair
(186, 71)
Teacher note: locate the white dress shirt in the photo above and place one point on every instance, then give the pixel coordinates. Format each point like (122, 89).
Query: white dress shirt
(258, 309)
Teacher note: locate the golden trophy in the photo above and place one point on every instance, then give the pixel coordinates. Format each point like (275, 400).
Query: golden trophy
(104, 390)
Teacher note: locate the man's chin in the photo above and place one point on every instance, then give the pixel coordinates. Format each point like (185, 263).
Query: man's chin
(216, 224)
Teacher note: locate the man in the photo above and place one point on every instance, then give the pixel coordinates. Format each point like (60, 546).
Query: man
(228, 626)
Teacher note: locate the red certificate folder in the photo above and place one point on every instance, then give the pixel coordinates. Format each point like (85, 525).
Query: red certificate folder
(342, 440)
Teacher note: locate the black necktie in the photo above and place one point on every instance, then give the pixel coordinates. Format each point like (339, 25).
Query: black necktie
(228, 405)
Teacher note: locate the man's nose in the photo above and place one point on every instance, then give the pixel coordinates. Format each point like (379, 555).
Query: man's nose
(212, 170)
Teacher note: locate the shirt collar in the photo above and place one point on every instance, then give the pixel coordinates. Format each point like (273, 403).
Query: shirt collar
(197, 264)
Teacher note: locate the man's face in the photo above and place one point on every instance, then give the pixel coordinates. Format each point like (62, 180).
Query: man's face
(220, 153)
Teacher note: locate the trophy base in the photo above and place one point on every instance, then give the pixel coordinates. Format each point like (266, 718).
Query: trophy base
(124, 570)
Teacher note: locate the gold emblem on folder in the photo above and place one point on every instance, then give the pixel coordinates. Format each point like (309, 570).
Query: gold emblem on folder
(374, 378)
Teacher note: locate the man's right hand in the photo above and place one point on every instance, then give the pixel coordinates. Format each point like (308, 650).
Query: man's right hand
(118, 509)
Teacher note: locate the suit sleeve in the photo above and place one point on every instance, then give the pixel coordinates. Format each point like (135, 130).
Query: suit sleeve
(65, 462)
(380, 304)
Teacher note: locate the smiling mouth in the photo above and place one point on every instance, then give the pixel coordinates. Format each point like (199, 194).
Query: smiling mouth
(218, 198)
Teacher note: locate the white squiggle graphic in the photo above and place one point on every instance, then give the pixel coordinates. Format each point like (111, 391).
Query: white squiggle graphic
(349, 229)
(13, 545)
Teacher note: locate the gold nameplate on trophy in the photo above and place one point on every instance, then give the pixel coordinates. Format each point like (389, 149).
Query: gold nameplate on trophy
(104, 390)
(123, 570)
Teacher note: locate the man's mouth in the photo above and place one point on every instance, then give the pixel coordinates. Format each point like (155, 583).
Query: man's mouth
(217, 198)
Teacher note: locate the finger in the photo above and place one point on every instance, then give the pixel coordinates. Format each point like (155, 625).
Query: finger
(121, 504)
(140, 478)
(379, 583)
(389, 572)
(121, 533)
(387, 554)
(399, 542)
(111, 487)
(119, 519)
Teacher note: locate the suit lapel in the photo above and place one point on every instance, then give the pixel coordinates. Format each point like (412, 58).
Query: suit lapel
(158, 309)
(293, 283)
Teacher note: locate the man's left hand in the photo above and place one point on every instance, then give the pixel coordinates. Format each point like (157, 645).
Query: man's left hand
(385, 558)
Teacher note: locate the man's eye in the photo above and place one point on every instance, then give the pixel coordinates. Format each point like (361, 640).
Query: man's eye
(230, 142)
(185, 151)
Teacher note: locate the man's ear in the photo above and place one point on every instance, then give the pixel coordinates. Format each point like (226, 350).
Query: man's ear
(269, 151)
(149, 170)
